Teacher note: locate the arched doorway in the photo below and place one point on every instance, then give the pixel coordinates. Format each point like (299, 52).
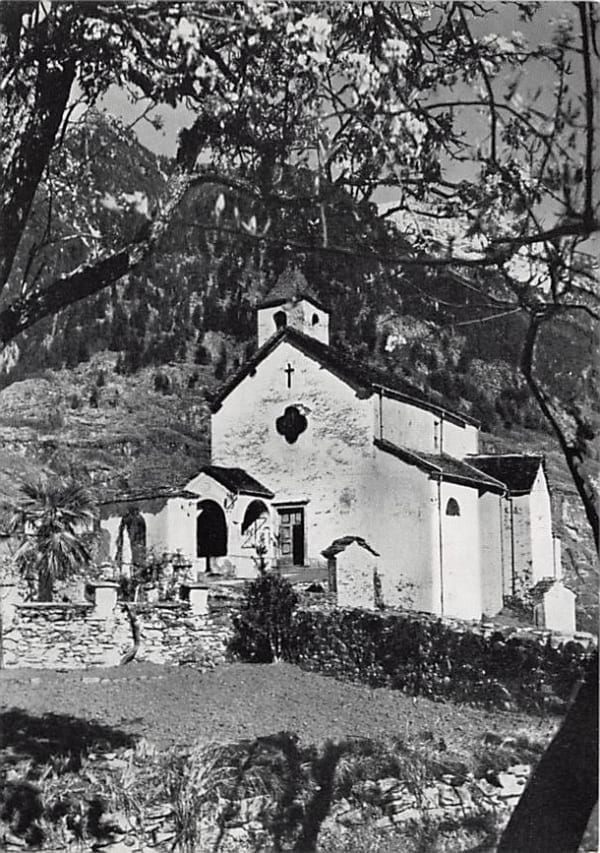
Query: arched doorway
(136, 530)
(256, 528)
(211, 531)
(131, 542)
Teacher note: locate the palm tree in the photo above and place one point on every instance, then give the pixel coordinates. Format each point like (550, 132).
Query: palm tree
(55, 520)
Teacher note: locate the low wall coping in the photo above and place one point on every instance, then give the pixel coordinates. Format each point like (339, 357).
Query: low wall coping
(195, 585)
(102, 584)
(54, 605)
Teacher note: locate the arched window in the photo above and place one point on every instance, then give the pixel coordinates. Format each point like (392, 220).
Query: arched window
(256, 509)
(315, 319)
(452, 507)
(211, 530)
(280, 318)
(255, 526)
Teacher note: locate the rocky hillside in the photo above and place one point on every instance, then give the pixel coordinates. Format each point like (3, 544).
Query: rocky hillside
(114, 388)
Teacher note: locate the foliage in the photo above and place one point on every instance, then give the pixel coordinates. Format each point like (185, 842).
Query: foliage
(188, 799)
(262, 628)
(55, 522)
(301, 113)
(164, 572)
(424, 657)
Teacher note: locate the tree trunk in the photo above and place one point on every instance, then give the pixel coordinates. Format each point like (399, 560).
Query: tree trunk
(555, 808)
(33, 105)
(573, 451)
(45, 586)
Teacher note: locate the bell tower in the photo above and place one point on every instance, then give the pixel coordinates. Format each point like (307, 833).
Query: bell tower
(293, 303)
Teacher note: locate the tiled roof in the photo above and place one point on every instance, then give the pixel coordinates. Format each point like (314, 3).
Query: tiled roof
(155, 493)
(517, 470)
(290, 286)
(237, 480)
(339, 545)
(355, 373)
(448, 467)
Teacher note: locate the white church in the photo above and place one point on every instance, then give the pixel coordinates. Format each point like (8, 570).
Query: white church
(308, 446)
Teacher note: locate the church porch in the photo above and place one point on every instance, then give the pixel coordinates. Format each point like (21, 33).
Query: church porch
(234, 523)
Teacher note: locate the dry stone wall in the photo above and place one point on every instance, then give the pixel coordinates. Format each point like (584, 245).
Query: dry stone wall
(101, 633)
(58, 636)
(174, 634)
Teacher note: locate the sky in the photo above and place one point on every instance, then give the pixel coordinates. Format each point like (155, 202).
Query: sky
(505, 20)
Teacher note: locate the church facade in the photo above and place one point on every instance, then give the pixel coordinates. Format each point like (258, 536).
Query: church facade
(308, 447)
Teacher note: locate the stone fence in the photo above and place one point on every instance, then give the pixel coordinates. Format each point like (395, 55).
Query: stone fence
(106, 632)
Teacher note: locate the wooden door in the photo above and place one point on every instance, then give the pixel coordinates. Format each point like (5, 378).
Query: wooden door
(291, 536)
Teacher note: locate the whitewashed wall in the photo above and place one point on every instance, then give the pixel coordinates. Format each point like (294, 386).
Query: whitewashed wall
(416, 428)
(461, 555)
(492, 552)
(240, 559)
(300, 316)
(181, 526)
(170, 524)
(521, 537)
(542, 547)
(401, 515)
(407, 426)
(459, 440)
(330, 465)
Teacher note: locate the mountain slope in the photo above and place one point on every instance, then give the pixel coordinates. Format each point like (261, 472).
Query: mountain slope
(113, 388)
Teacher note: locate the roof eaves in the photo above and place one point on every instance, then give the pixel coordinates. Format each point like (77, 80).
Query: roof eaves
(406, 456)
(358, 375)
(488, 477)
(459, 419)
(260, 492)
(245, 370)
(497, 457)
(478, 479)
(274, 301)
(310, 347)
(479, 482)
(157, 494)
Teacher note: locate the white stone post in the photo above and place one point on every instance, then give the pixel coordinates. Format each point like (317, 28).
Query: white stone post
(105, 598)
(355, 571)
(557, 557)
(9, 598)
(197, 595)
(559, 609)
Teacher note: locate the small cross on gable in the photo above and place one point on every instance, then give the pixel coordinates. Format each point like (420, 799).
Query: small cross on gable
(289, 371)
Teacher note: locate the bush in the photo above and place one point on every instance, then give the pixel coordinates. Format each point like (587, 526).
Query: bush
(428, 658)
(262, 628)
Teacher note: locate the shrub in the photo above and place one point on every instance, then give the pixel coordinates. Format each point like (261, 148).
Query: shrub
(425, 657)
(262, 628)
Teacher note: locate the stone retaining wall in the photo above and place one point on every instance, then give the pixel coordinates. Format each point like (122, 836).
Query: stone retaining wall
(380, 805)
(99, 633)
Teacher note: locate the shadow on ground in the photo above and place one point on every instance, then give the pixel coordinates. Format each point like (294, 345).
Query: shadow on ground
(50, 736)
(33, 747)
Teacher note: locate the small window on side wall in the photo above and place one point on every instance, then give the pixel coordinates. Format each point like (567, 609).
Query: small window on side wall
(315, 319)
(280, 318)
(452, 507)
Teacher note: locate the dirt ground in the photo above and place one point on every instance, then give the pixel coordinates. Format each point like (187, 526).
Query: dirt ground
(179, 706)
